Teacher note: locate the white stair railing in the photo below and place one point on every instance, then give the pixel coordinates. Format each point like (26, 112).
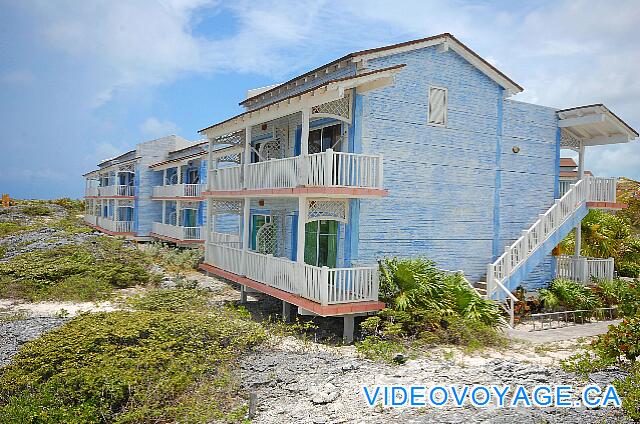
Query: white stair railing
(589, 189)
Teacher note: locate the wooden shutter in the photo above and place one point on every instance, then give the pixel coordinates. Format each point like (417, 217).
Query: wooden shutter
(437, 106)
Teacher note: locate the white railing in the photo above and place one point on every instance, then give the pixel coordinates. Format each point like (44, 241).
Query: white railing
(115, 226)
(583, 269)
(320, 284)
(178, 190)
(326, 169)
(229, 178)
(588, 189)
(564, 187)
(177, 232)
(91, 191)
(225, 239)
(116, 190)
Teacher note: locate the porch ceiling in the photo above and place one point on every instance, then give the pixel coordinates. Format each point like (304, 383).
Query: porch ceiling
(595, 125)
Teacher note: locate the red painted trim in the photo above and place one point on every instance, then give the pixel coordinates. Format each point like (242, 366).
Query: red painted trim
(175, 240)
(194, 198)
(607, 205)
(299, 191)
(109, 197)
(111, 233)
(310, 305)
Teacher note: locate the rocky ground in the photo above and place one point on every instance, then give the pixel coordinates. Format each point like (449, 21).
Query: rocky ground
(304, 381)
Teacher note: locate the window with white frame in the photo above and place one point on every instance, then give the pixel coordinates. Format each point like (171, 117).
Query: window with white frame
(437, 113)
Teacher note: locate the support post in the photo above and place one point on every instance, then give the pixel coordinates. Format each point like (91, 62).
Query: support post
(286, 311)
(304, 137)
(578, 237)
(245, 233)
(243, 293)
(245, 156)
(164, 211)
(347, 332)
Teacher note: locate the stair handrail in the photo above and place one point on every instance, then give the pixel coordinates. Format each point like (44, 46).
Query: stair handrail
(547, 223)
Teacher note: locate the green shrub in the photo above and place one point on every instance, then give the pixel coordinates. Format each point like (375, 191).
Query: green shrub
(131, 367)
(623, 294)
(620, 346)
(36, 210)
(417, 285)
(73, 205)
(174, 259)
(629, 269)
(568, 295)
(169, 300)
(7, 228)
(73, 272)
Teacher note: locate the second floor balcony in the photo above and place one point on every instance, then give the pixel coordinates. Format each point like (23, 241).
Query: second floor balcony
(178, 233)
(178, 190)
(328, 169)
(110, 191)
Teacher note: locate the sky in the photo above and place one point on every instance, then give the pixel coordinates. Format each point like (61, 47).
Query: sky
(81, 81)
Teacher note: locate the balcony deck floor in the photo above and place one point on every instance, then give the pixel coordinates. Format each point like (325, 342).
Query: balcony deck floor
(309, 305)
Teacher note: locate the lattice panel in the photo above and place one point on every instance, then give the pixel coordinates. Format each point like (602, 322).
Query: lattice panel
(234, 158)
(235, 139)
(568, 141)
(271, 150)
(327, 209)
(340, 109)
(127, 168)
(267, 239)
(125, 203)
(226, 207)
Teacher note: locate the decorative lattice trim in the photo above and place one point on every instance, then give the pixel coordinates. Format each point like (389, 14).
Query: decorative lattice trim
(339, 109)
(127, 168)
(189, 205)
(568, 141)
(271, 150)
(233, 158)
(235, 139)
(327, 209)
(226, 206)
(123, 203)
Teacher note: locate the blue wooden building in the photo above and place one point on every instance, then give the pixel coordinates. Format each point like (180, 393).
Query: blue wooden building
(301, 203)
(151, 192)
(413, 149)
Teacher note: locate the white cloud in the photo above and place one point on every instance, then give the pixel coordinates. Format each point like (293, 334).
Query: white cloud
(153, 127)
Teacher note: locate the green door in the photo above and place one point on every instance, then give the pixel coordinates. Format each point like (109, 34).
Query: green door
(320, 247)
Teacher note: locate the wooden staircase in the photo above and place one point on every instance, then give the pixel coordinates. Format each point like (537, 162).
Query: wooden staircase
(519, 258)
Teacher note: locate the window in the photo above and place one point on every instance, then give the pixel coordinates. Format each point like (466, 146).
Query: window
(320, 247)
(437, 114)
(324, 138)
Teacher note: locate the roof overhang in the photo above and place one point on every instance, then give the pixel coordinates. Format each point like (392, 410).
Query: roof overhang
(175, 162)
(327, 92)
(445, 42)
(595, 125)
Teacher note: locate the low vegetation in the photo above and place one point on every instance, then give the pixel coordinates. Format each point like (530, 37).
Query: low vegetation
(606, 235)
(89, 271)
(619, 347)
(427, 306)
(174, 259)
(170, 361)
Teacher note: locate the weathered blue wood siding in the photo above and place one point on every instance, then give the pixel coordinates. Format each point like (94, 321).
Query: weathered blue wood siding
(445, 182)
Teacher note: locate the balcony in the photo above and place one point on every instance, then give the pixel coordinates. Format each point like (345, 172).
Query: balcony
(91, 192)
(327, 169)
(178, 190)
(322, 285)
(114, 226)
(583, 270)
(116, 191)
(177, 233)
